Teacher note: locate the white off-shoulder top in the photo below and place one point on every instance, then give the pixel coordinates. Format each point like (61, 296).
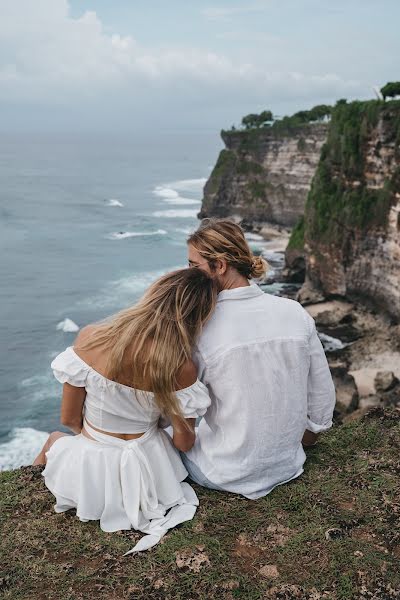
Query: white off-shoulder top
(117, 408)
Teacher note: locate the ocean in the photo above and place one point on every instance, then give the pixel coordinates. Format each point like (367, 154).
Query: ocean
(87, 222)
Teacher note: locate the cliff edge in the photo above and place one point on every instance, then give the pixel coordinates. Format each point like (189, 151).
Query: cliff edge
(263, 175)
(331, 534)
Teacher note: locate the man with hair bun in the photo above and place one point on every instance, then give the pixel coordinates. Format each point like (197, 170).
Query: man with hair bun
(266, 371)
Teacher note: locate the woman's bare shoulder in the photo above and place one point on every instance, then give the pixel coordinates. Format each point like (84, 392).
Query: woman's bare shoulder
(84, 334)
(187, 375)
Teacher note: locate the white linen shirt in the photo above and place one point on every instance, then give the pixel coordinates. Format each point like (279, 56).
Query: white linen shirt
(269, 381)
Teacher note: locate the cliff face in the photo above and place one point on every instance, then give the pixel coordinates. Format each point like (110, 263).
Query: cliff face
(352, 218)
(264, 175)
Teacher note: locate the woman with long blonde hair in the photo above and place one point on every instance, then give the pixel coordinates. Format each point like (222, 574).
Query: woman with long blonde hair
(119, 378)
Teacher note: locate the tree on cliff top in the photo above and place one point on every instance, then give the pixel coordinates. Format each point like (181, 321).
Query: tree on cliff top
(391, 89)
(253, 121)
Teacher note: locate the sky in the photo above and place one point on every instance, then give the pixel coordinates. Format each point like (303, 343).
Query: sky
(187, 64)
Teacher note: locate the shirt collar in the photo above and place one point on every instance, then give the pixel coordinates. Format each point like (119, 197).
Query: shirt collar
(240, 293)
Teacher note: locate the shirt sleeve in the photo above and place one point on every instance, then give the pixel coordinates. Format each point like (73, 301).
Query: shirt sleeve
(321, 396)
(199, 362)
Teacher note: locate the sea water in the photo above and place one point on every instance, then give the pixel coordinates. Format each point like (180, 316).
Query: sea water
(87, 222)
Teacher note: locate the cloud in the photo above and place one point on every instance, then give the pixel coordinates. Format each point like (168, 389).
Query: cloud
(217, 13)
(49, 58)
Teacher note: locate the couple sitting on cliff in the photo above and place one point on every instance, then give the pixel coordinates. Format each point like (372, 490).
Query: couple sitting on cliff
(202, 342)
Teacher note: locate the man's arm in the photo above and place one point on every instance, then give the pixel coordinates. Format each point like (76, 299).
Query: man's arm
(321, 397)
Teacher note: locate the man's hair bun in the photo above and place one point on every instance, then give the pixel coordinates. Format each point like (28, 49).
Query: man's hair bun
(259, 267)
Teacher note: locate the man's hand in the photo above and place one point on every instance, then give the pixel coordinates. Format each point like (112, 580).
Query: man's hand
(309, 438)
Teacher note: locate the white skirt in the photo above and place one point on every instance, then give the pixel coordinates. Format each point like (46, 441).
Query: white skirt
(124, 484)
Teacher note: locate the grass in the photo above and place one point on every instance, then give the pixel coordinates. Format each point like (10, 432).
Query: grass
(333, 533)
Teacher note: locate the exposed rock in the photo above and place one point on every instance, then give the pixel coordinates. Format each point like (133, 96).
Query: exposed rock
(264, 176)
(295, 269)
(365, 381)
(269, 571)
(330, 313)
(309, 294)
(368, 402)
(347, 397)
(352, 219)
(385, 381)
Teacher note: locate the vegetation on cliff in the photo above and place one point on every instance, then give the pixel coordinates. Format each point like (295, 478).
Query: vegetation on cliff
(266, 119)
(296, 240)
(391, 89)
(333, 533)
(340, 201)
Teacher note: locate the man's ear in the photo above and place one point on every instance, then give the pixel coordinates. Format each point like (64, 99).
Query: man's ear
(221, 266)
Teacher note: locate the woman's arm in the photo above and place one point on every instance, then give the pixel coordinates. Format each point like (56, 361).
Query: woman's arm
(184, 435)
(72, 402)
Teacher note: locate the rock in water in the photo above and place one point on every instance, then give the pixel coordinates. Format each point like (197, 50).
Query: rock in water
(67, 326)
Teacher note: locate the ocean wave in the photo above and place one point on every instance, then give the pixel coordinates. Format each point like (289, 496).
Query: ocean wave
(22, 448)
(330, 343)
(184, 213)
(125, 291)
(186, 230)
(165, 192)
(121, 235)
(181, 201)
(189, 185)
(171, 196)
(253, 237)
(67, 326)
(35, 380)
(114, 202)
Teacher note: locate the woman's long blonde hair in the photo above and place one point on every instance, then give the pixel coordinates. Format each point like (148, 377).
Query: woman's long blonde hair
(154, 338)
(222, 239)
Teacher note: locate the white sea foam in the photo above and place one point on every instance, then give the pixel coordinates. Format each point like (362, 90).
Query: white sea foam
(114, 202)
(184, 213)
(35, 380)
(68, 326)
(171, 196)
(125, 291)
(189, 185)
(185, 230)
(330, 343)
(22, 448)
(181, 201)
(253, 237)
(121, 235)
(165, 192)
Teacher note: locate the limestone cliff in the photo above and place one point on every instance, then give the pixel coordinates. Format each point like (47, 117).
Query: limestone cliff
(264, 175)
(351, 227)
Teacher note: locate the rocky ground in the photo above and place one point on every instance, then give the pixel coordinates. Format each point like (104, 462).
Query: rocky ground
(362, 346)
(366, 370)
